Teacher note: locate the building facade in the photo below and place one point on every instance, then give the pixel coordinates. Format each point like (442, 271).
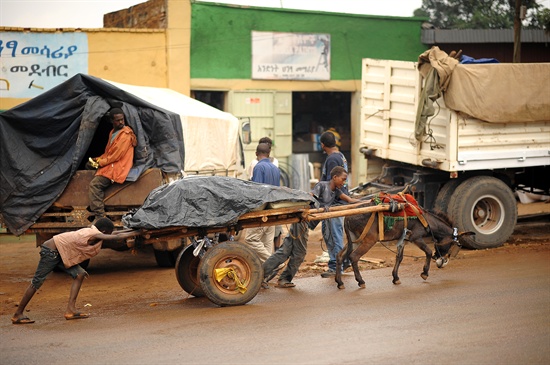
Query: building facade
(290, 74)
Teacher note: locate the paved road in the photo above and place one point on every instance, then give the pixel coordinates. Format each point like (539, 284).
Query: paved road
(490, 307)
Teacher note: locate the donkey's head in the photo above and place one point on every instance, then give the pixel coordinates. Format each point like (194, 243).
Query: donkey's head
(446, 239)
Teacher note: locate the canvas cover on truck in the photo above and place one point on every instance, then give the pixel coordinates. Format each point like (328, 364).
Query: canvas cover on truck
(44, 141)
(492, 92)
(501, 93)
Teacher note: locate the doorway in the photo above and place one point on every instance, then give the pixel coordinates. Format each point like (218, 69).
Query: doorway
(215, 99)
(313, 113)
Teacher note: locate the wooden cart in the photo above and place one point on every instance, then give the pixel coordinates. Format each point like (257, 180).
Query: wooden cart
(228, 272)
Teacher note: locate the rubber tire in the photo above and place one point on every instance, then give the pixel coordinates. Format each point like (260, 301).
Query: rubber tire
(444, 196)
(243, 260)
(166, 258)
(489, 195)
(187, 272)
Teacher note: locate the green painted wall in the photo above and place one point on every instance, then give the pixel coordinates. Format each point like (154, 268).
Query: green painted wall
(221, 38)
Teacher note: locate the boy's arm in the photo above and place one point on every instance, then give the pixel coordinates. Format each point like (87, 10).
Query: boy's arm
(114, 237)
(119, 231)
(349, 199)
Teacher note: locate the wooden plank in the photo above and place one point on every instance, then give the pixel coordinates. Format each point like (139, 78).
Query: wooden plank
(355, 211)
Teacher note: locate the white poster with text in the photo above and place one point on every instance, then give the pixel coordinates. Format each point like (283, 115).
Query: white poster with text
(290, 56)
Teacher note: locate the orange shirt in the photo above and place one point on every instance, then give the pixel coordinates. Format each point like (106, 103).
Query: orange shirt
(73, 246)
(118, 158)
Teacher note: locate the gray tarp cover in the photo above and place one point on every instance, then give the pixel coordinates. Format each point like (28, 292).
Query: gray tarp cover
(206, 201)
(43, 141)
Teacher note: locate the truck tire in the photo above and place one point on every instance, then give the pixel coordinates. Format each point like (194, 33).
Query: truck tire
(486, 206)
(444, 196)
(242, 261)
(187, 272)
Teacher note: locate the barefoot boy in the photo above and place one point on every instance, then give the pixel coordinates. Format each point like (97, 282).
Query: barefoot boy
(66, 251)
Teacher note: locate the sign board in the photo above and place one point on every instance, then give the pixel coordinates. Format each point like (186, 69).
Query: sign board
(290, 56)
(31, 63)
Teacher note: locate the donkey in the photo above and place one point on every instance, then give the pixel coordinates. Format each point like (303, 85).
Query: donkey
(438, 228)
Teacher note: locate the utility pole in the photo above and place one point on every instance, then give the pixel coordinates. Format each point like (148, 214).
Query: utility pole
(519, 15)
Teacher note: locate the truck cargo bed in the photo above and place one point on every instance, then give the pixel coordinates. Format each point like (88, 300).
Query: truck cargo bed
(457, 141)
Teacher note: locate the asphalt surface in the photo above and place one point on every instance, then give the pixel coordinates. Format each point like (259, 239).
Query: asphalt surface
(486, 307)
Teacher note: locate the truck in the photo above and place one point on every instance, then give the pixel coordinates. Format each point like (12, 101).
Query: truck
(46, 142)
(482, 156)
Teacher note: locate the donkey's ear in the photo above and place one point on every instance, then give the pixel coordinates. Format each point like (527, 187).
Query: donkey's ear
(466, 234)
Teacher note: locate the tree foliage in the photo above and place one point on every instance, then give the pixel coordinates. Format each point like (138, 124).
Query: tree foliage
(479, 14)
(544, 19)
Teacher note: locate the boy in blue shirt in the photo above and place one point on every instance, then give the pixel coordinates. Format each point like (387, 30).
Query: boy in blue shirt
(333, 228)
(260, 239)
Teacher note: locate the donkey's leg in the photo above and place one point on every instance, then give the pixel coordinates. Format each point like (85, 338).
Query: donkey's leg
(358, 277)
(398, 259)
(424, 247)
(364, 246)
(342, 255)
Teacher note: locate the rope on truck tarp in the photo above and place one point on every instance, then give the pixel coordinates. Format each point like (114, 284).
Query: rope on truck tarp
(232, 274)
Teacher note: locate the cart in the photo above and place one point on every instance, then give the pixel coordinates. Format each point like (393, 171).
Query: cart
(228, 272)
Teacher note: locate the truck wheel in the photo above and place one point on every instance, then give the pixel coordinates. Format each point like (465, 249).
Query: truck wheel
(166, 258)
(444, 196)
(484, 205)
(240, 260)
(187, 272)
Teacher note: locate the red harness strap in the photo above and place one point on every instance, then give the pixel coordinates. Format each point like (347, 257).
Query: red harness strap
(411, 209)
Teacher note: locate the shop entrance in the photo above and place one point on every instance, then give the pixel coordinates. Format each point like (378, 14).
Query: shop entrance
(212, 98)
(316, 112)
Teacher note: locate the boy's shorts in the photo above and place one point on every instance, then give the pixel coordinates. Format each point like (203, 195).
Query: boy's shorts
(49, 260)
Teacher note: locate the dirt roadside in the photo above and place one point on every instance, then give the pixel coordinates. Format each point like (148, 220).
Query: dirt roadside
(121, 278)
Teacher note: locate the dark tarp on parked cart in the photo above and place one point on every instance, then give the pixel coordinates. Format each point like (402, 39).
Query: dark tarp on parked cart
(43, 141)
(207, 201)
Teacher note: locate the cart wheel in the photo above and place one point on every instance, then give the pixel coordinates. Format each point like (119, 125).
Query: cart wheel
(239, 260)
(187, 272)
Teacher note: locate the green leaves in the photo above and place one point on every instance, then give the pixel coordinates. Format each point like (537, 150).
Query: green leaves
(481, 14)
